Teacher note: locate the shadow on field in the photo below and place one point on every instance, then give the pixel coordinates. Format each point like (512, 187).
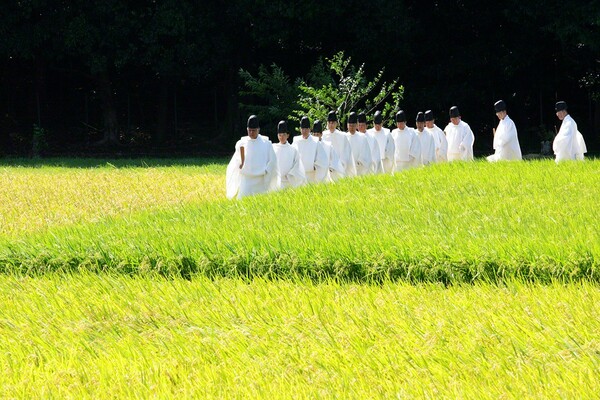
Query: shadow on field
(110, 162)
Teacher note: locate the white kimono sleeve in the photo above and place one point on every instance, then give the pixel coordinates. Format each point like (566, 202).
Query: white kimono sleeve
(321, 164)
(364, 160)
(336, 168)
(272, 173)
(415, 150)
(388, 157)
(377, 165)
(581, 147)
(233, 176)
(466, 145)
(347, 160)
(296, 175)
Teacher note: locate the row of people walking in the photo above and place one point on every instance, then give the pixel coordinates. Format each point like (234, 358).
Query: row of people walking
(315, 156)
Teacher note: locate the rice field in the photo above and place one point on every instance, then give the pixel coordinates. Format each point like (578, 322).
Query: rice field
(112, 336)
(138, 279)
(447, 223)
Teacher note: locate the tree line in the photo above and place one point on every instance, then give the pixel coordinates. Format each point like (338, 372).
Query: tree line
(128, 77)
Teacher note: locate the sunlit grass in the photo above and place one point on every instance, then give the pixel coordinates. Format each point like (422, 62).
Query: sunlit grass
(92, 336)
(327, 291)
(63, 192)
(448, 223)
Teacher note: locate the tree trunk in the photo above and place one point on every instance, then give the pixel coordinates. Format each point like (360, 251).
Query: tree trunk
(109, 112)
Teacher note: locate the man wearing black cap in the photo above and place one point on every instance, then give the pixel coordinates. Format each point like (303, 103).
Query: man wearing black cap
(336, 169)
(289, 164)
(506, 141)
(376, 166)
(253, 167)
(568, 143)
(384, 141)
(426, 140)
(361, 152)
(408, 147)
(312, 154)
(441, 143)
(460, 137)
(341, 145)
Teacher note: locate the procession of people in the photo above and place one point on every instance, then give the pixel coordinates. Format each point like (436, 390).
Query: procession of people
(259, 166)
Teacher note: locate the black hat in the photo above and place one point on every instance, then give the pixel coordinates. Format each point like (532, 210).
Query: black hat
(500, 105)
(282, 127)
(378, 118)
(252, 122)
(429, 115)
(400, 116)
(420, 117)
(560, 106)
(331, 116)
(352, 118)
(362, 118)
(454, 113)
(317, 127)
(304, 123)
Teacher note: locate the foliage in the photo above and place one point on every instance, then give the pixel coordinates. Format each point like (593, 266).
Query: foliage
(110, 60)
(349, 90)
(274, 89)
(334, 85)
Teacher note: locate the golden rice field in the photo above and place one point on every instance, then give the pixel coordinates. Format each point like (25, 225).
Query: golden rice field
(137, 279)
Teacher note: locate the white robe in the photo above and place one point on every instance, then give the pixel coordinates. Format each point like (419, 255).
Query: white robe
(460, 141)
(314, 159)
(341, 145)
(427, 147)
(361, 151)
(336, 169)
(506, 142)
(441, 143)
(376, 164)
(408, 148)
(568, 143)
(387, 148)
(259, 172)
(289, 165)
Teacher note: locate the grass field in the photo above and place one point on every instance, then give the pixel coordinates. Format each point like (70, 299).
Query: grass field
(448, 223)
(138, 279)
(91, 336)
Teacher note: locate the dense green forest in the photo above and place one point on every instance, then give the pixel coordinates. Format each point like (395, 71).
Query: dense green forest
(163, 77)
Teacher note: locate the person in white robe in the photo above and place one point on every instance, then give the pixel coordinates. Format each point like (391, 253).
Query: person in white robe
(253, 167)
(385, 143)
(568, 143)
(426, 140)
(376, 164)
(407, 145)
(335, 166)
(506, 141)
(289, 163)
(460, 137)
(441, 143)
(312, 154)
(341, 145)
(361, 151)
